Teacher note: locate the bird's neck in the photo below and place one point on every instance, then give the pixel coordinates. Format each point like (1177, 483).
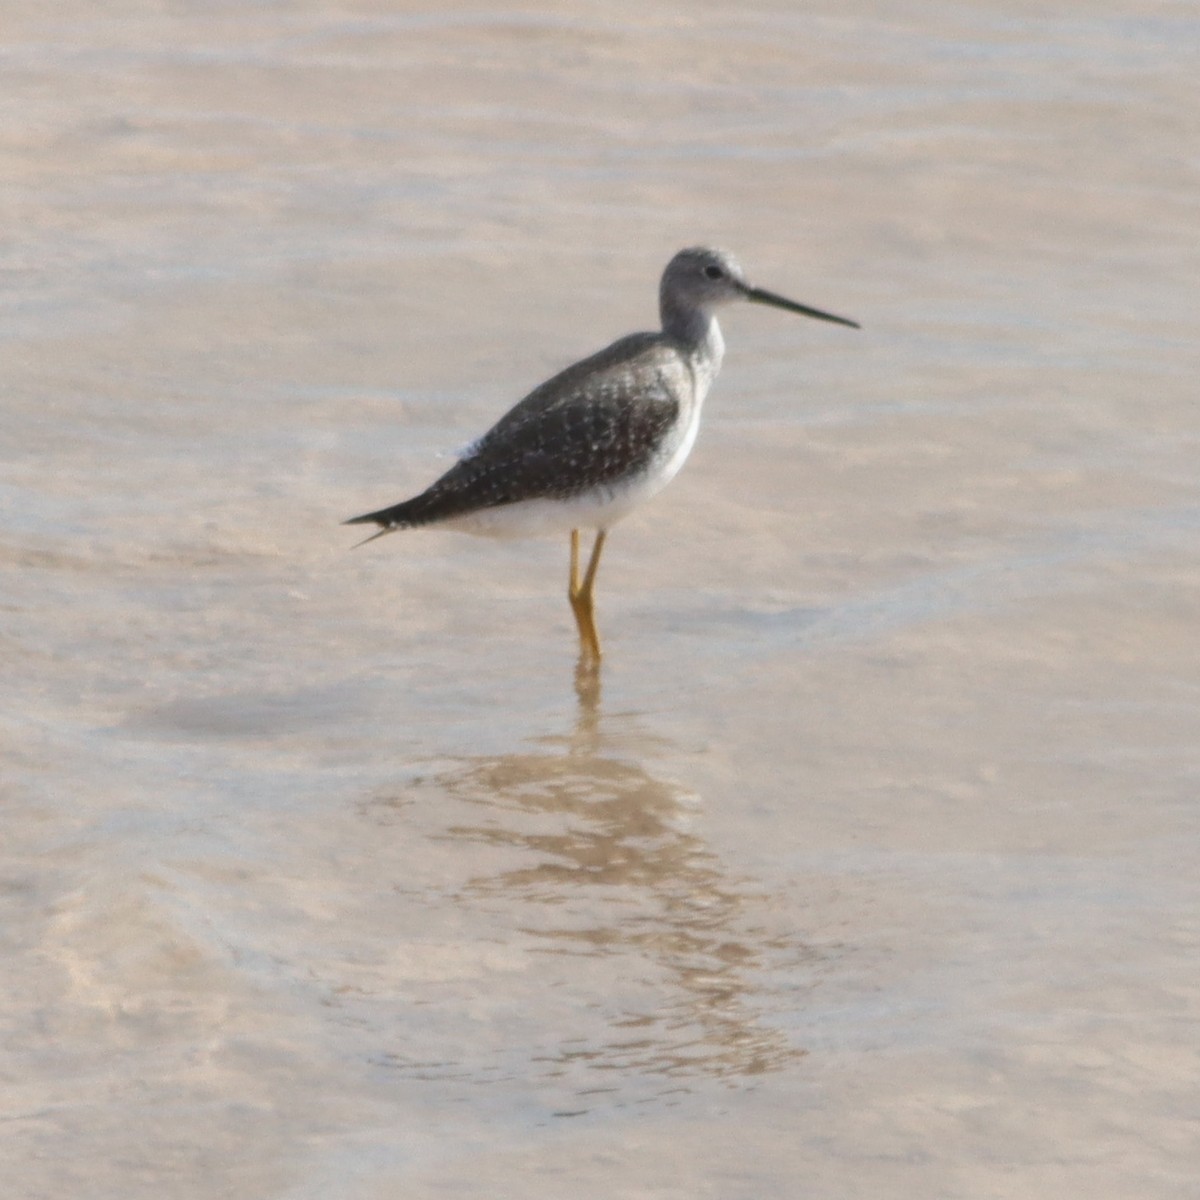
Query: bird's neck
(699, 332)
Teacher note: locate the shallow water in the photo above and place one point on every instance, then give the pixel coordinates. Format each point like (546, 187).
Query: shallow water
(869, 868)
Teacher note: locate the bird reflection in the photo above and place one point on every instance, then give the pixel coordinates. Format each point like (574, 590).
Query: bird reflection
(604, 850)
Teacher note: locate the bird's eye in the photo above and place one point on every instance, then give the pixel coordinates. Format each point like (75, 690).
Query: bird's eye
(713, 272)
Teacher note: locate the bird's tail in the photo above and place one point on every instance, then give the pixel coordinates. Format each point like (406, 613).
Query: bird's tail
(399, 516)
(378, 534)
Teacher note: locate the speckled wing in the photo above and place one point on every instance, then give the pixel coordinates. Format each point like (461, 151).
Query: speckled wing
(592, 426)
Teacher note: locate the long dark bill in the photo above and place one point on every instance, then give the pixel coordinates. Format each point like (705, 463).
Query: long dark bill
(761, 296)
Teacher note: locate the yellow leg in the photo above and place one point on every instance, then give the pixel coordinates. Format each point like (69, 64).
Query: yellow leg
(582, 597)
(573, 581)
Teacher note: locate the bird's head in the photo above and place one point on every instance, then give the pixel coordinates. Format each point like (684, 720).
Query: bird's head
(702, 279)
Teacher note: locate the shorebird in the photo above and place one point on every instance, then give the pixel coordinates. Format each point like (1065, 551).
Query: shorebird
(589, 445)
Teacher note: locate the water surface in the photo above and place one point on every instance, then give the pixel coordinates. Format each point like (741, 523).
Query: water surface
(870, 867)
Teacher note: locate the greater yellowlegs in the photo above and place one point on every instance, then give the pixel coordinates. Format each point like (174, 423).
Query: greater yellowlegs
(590, 444)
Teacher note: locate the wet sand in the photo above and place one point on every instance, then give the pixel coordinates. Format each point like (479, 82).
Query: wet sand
(868, 869)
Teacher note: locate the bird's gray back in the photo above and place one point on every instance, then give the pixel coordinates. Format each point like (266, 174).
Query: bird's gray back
(592, 426)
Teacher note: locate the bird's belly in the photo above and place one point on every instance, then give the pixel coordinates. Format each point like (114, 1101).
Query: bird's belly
(546, 517)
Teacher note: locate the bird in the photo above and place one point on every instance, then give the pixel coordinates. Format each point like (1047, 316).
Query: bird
(601, 437)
